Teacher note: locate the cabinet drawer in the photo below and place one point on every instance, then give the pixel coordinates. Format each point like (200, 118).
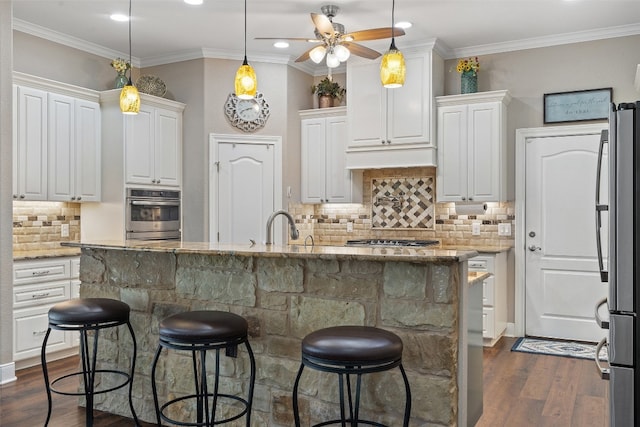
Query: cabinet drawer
(478, 264)
(40, 271)
(488, 322)
(43, 293)
(29, 328)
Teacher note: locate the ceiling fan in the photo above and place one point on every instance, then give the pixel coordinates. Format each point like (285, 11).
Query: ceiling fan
(333, 42)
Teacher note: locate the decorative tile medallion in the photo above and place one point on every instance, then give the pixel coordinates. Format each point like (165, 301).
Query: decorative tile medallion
(402, 203)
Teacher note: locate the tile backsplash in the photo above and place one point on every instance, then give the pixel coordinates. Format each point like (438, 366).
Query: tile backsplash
(37, 225)
(421, 219)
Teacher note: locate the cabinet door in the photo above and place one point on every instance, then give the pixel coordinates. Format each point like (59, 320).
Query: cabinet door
(31, 144)
(313, 149)
(484, 152)
(88, 178)
(337, 176)
(366, 99)
(452, 154)
(61, 149)
(409, 106)
(29, 328)
(139, 137)
(168, 148)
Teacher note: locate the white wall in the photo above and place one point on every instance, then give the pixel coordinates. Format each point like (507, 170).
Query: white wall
(6, 179)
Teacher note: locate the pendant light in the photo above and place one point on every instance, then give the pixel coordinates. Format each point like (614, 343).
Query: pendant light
(129, 96)
(246, 83)
(392, 67)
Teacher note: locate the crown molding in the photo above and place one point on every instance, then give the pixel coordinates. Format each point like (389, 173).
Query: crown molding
(547, 41)
(70, 41)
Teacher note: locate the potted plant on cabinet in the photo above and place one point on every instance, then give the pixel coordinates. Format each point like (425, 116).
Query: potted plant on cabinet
(329, 93)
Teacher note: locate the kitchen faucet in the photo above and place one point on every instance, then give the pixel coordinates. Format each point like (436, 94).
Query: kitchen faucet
(292, 226)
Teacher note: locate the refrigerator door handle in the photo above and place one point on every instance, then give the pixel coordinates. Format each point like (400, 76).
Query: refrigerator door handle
(604, 275)
(604, 372)
(604, 324)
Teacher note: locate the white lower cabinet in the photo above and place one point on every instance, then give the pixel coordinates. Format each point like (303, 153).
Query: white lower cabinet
(494, 294)
(37, 286)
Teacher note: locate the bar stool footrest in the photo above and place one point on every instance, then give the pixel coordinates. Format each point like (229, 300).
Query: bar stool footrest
(97, 371)
(209, 395)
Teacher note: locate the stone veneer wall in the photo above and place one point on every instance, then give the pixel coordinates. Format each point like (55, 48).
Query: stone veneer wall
(36, 225)
(327, 223)
(284, 299)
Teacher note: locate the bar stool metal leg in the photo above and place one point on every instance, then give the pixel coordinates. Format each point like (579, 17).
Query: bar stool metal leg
(45, 372)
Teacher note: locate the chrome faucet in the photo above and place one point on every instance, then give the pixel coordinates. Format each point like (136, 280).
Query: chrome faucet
(292, 226)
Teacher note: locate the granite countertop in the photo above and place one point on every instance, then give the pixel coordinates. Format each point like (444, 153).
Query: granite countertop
(286, 251)
(46, 253)
(477, 277)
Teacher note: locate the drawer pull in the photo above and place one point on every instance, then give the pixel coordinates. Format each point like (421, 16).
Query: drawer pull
(40, 273)
(40, 295)
(39, 333)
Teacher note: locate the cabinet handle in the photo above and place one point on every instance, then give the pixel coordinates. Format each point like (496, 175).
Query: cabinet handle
(22, 196)
(157, 181)
(470, 198)
(40, 295)
(79, 198)
(73, 197)
(39, 333)
(383, 141)
(15, 196)
(40, 273)
(464, 198)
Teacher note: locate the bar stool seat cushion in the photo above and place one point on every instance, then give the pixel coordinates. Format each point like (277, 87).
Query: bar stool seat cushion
(353, 344)
(85, 311)
(204, 326)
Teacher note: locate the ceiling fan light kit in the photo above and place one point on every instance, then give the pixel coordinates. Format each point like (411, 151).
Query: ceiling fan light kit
(246, 82)
(336, 45)
(129, 96)
(392, 66)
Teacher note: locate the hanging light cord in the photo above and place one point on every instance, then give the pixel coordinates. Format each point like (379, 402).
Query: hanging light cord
(245, 34)
(130, 65)
(393, 20)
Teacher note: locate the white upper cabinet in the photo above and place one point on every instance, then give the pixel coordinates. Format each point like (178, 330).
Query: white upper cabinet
(392, 127)
(30, 144)
(74, 149)
(56, 141)
(472, 138)
(154, 147)
(325, 178)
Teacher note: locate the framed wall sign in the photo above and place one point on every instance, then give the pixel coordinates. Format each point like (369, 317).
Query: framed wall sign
(577, 106)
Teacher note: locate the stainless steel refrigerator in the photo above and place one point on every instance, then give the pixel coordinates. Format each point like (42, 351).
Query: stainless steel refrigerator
(619, 260)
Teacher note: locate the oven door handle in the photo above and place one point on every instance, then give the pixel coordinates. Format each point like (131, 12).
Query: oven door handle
(149, 203)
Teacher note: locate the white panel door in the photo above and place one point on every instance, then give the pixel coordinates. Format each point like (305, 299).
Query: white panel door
(168, 147)
(246, 185)
(139, 146)
(31, 144)
(313, 149)
(61, 147)
(88, 170)
(484, 152)
(337, 176)
(562, 282)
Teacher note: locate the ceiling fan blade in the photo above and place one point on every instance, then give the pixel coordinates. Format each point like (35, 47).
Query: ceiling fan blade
(322, 23)
(374, 34)
(358, 49)
(305, 55)
(297, 39)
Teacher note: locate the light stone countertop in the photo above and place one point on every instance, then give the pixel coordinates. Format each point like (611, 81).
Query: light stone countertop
(474, 277)
(46, 253)
(480, 248)
(287, 251)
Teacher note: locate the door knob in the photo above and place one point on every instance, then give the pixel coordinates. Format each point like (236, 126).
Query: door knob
(534, 248)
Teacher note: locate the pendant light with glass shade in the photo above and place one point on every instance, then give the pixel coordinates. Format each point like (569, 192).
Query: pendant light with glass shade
(246, 82)
(392, 67)
(129, 96)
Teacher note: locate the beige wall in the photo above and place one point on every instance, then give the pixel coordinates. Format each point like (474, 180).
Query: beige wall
(6, 178)
(529, 74)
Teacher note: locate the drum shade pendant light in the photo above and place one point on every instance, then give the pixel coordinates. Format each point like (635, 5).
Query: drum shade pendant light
(392, 67)
(246, 83)
(129, 96)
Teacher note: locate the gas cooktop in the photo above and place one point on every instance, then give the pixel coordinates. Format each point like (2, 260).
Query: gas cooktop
(392, 242)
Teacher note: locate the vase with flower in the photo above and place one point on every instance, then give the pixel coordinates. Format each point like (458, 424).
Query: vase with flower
(329, 93)
(121, 66)
(468, 69)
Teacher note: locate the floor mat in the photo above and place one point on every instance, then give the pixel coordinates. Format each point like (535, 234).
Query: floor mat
(558, 348)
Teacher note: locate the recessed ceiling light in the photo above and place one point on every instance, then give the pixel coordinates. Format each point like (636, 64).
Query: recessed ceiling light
(404, 25)
(193, 2)
(119, 17)
(281, 45)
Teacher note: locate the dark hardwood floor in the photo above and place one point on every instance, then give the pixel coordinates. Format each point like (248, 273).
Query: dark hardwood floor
(519, 390)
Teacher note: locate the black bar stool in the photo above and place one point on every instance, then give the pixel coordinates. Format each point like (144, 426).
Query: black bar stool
(351, 350)
(197, 332)
(84, 315)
